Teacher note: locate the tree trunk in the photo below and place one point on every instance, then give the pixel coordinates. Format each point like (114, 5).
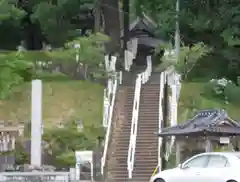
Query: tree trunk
(97, 16)
(126, 23)
(112, 24)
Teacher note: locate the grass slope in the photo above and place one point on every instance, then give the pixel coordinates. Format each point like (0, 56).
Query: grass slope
(191, 99)
(67, 100)
(62, 101)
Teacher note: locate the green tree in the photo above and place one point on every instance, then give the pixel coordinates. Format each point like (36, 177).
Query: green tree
(62, 20)
(39, 21)
(14, 70)
(189, 58)
(215, 23)
(63, 142)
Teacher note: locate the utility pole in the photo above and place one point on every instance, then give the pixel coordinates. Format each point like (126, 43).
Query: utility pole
(126, 8)
(165, 121)
(177, 32)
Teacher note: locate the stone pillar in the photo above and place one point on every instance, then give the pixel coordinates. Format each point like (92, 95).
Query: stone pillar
(36, 123)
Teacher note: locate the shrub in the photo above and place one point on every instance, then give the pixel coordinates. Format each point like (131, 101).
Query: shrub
(223, 89)
(232, 92)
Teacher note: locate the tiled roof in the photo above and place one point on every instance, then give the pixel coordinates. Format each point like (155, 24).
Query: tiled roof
(210, 122)
(144, 23)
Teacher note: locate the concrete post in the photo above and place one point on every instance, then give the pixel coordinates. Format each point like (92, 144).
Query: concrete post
(36, 123)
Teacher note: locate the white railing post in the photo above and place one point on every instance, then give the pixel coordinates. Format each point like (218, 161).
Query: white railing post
(130, 53)
(148, 72)
(128, 60)
(106, 58)
(120, 77)
(132, 46)
(113, 63)
(105, 108)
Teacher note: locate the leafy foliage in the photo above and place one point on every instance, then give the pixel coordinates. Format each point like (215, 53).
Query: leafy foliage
(54, 22)
(215, 23)
(17, 67)
(66, 16)
(62, 150)
(91, 50)
(8, 10)
(223, 89)
(13, 71)
(232, 92)
(189, 58)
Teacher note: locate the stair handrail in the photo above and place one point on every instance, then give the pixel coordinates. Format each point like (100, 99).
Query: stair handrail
(148, 72)
(105, 107)
(142, 78)
(160, 119)
(109, 95)
(133, 134)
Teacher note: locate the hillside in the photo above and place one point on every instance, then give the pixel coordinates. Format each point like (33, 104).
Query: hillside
(67, 100)
(62, 101)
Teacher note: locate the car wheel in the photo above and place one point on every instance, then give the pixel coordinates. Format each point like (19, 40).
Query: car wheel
(159, 180)
(231, 181)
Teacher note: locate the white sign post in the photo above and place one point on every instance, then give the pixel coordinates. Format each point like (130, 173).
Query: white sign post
(36, 123)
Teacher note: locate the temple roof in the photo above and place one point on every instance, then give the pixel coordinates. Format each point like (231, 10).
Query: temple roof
(143, 23)
(214, 122)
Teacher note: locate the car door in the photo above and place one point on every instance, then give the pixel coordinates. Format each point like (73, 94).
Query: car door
(215, 169)
(189, 169)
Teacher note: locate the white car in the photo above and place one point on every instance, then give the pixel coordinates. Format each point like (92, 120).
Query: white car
(205, 167)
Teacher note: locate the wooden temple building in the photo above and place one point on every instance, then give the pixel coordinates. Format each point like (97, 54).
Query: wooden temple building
(210, 130)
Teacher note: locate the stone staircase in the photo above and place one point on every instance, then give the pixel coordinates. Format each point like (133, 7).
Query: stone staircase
(146, 154)
(121, 128)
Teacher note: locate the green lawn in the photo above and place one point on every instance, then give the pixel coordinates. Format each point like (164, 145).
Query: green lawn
(62, 101)
(191, 99)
